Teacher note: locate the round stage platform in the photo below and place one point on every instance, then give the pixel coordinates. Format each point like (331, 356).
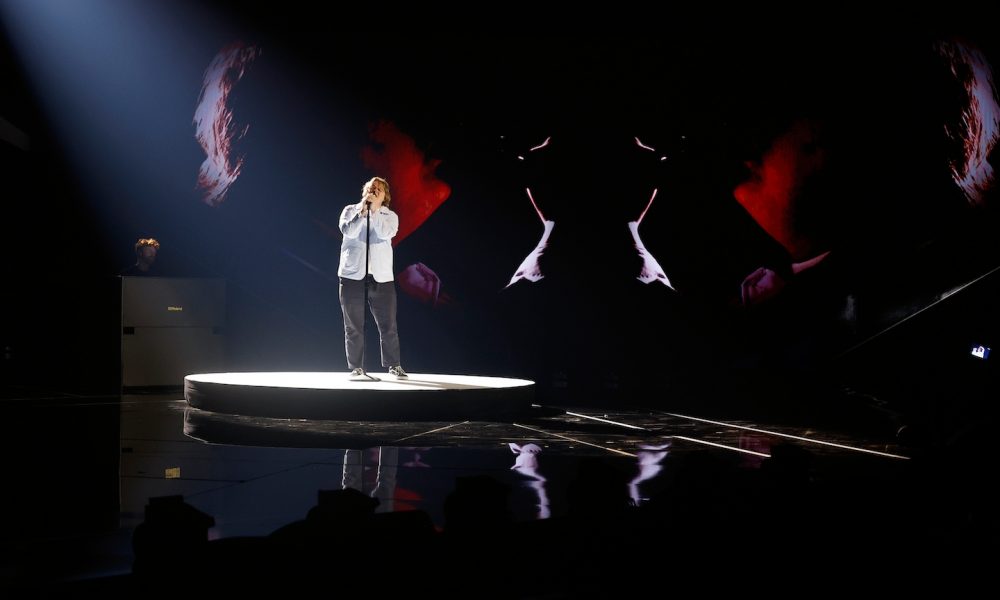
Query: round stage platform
(422, 397)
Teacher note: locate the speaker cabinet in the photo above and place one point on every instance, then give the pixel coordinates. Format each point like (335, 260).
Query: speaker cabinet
(171, 327)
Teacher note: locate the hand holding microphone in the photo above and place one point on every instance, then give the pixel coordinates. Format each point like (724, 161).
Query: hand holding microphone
(366, 203)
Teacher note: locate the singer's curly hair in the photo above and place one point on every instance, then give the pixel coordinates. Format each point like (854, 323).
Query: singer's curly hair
(143, 242)
(385, 185)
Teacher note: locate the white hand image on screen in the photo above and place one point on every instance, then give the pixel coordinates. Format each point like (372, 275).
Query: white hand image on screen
(421, 282)
(526, 463)
(649, 459)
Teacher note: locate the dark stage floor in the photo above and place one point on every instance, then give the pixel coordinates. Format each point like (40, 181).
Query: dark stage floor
(81, 469)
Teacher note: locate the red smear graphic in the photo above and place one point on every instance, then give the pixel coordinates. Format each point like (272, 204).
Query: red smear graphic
(416, 190)
(404, 499)
(773, 189)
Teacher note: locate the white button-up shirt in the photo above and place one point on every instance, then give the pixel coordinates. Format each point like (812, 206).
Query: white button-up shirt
(384, 225)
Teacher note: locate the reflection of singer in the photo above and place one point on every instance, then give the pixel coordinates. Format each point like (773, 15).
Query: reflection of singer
(372, 214)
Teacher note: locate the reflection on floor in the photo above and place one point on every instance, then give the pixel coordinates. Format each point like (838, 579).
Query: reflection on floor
(90, 466)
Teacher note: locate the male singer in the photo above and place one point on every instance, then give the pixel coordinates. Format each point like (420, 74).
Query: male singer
(366, 264)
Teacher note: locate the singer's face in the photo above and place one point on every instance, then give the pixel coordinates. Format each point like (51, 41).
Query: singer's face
(377, 190)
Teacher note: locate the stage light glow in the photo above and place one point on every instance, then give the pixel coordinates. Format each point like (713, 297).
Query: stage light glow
(574, 440)
(583, 416)
(323, 380)
(716, 445)
(788, 436)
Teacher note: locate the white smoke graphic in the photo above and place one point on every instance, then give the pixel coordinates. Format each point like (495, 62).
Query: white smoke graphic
(215, 128)
(979, 126)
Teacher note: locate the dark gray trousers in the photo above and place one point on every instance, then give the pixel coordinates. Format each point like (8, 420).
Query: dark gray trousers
(382, 301)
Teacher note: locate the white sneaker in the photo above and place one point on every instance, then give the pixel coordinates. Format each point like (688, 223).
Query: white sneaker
(358, 375)
(398, 372)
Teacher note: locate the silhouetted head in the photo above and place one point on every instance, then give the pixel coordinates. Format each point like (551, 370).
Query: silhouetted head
(145, 252)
